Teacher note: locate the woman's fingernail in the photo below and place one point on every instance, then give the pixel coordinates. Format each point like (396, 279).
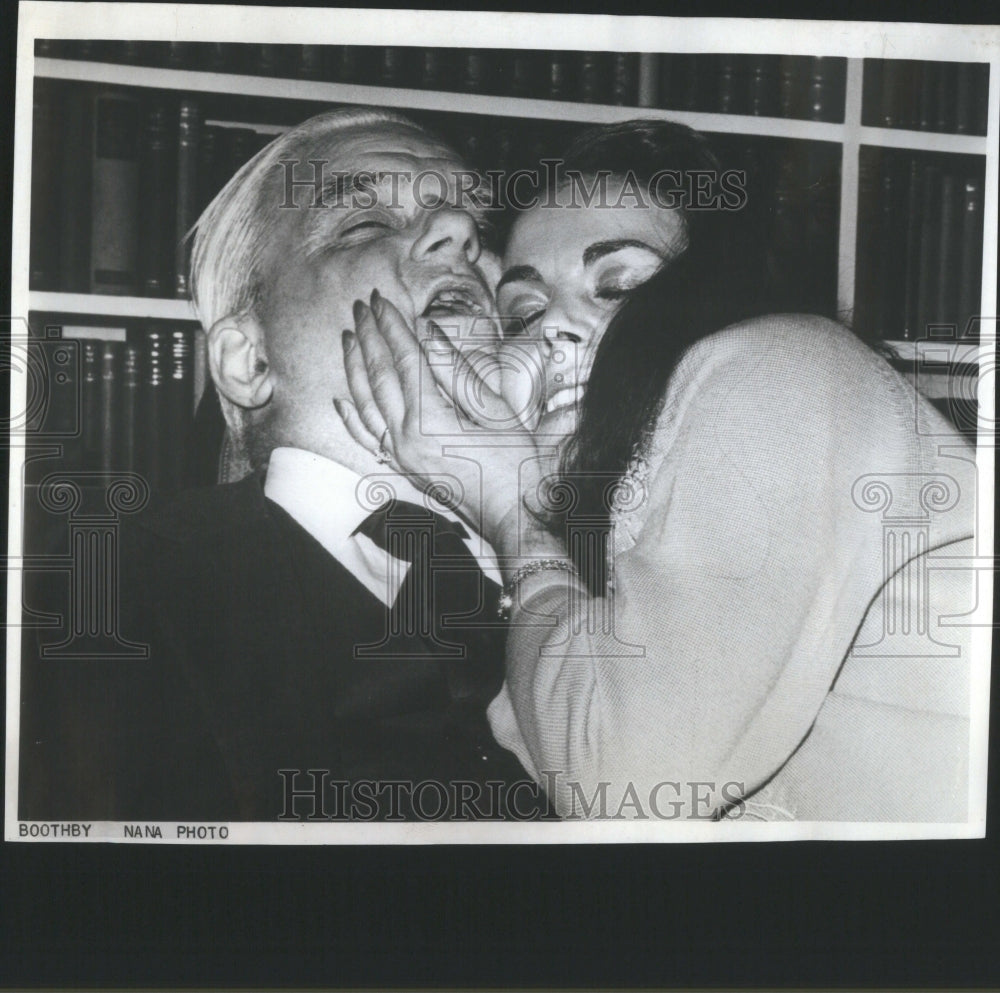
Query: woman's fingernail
(359, 311)
(338, 407)
(347, 340)
(376, 303)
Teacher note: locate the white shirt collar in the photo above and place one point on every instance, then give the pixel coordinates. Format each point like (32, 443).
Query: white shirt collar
(330, 501)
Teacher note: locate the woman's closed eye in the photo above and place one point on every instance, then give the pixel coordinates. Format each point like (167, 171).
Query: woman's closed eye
(616, 282)
(520, 316)
(623, 271)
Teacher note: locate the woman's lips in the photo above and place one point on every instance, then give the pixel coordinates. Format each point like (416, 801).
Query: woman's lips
(568, 396)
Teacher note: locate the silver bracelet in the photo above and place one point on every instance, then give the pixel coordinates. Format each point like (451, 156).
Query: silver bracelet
(506, 601)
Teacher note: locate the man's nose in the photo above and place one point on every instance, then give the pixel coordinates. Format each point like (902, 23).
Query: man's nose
(449, 235)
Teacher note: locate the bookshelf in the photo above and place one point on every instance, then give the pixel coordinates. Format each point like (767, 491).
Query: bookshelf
(851, 135)
(842, 136)
(153, 308)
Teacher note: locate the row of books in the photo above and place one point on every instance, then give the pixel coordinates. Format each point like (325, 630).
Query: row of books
(950, 97)
(118, 180)
(792, 86)
(588, 77)
(790, 218)
(123, 402)
(920, 235)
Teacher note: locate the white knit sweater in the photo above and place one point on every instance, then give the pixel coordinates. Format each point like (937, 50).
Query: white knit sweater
(756, 639)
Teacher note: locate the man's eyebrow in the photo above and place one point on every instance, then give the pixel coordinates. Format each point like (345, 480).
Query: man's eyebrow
(334, 204)
(601, 248)
(519, 274)
(338, 187)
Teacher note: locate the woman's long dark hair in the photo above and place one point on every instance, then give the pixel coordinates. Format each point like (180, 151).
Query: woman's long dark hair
(716, 281)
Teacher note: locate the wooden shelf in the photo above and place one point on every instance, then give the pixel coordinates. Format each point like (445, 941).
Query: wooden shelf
(923, 141)
(494, 106)
(112, 306)
(965, 353)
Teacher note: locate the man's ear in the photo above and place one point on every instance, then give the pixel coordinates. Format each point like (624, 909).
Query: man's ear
(238, 361)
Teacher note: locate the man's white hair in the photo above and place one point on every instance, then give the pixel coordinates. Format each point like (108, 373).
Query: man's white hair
(231, 234)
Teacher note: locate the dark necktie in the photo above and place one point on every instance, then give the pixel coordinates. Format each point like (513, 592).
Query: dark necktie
(446, 608)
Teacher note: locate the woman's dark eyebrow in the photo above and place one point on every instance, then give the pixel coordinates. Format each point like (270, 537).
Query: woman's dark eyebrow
(601, 248)
(518, 274)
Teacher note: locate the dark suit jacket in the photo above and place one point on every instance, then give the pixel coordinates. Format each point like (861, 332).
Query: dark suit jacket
(252, 628)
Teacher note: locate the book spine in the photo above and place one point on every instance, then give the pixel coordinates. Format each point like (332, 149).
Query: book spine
(74, 192)
(152, 393)
(980, 98)
(44, 247)
(591, 83)
(216, 57)
(503, 150)
(824, 90)
(762, 86)
(209, 173)
(310, 62)
(970, 98)
(730, 85)
(114, 230)
(946, 292)
(266, 60)
(944, 98)
(473, 147)
(790, 87)
(239, 149)
(156, 207)
(891, 96)
(522, 73)
(178, 402)
(668, 77)
(129, 53)
(389, 66)
(473, 71)
(871, 93)
(624, 79)
(349, 63)
(90, 404)
(188, 128)
(893, 243)
(58, 420)
(970, 255)
(866, 248)
(930, 242)
(178, 55)
(129, 408)
(914, 225)
(109, 402)
(432, 68)
(927, 84)
(558, 83)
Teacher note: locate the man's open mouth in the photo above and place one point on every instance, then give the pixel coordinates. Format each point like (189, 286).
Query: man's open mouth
(455, 300)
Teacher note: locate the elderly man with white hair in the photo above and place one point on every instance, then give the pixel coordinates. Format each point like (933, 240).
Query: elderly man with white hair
(316, 649)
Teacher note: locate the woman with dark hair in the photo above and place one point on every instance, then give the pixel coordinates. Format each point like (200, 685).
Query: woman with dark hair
(726, 603)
